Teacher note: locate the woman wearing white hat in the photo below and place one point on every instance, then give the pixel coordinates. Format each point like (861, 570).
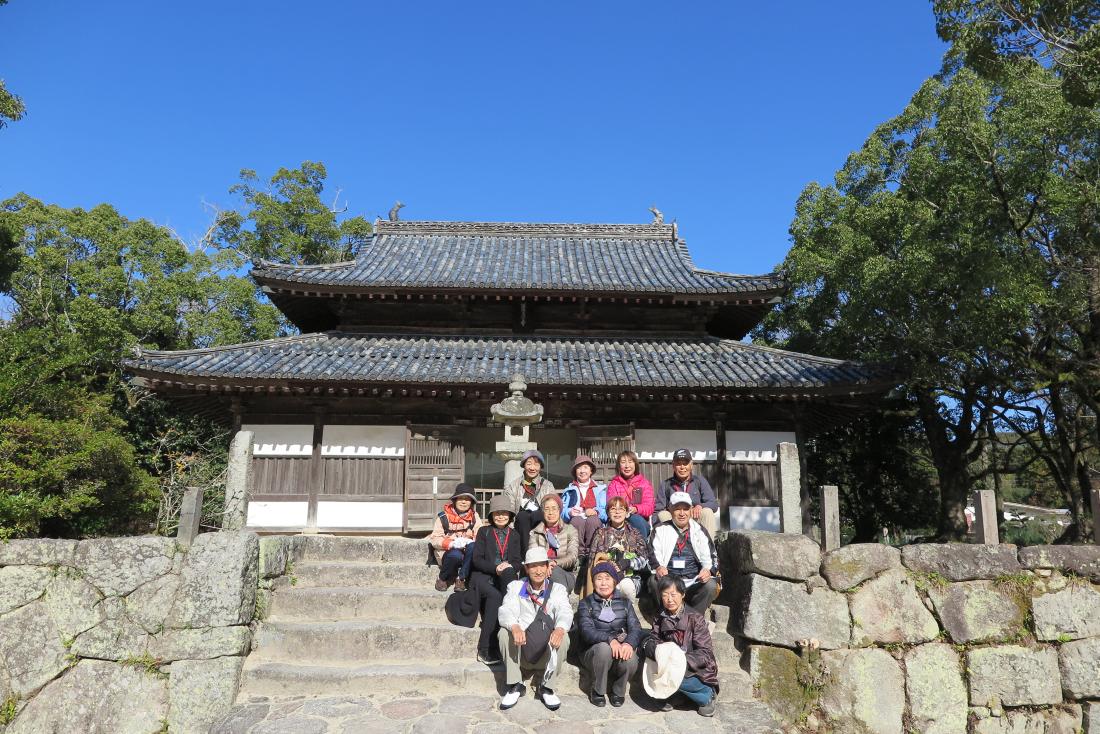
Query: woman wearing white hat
(694, 673)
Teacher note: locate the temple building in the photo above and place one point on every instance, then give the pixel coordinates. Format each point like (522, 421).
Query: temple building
(365, 421)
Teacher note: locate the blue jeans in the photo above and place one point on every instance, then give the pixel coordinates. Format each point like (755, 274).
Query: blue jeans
(698, 691)
(456, 562)
(640, 524)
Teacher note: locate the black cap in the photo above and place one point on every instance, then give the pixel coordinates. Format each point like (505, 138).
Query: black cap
(464, 490)
(681, 455)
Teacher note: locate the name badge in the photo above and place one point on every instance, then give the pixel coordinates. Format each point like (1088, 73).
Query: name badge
(680, 563)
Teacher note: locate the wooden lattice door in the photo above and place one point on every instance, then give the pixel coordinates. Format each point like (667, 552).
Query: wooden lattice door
(604, 444)
(434, 463)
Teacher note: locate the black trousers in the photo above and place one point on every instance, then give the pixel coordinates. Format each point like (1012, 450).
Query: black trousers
(490, 593)
(525, 520)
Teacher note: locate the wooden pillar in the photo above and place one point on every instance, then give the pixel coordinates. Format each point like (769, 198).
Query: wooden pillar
(1095, 495)
(722, 475)
(237, 409)
(316, 469)
(805, 502)
(985, 517)
(830, 518)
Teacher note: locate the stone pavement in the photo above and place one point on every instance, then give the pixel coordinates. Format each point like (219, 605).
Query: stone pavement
(452, 714)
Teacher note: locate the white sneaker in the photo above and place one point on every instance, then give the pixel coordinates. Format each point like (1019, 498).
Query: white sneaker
(550, 699)
(511, 697)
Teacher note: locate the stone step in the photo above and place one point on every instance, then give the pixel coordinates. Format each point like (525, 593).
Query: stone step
(373, 549)
(305, 604)
(363, 641)
(360, 574)
(277, 679)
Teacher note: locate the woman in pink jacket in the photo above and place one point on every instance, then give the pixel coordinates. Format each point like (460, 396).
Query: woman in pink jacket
(635, 489)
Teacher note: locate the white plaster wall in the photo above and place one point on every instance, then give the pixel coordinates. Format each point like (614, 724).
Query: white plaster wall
(754, 518)
(655, 444)
(378, 441)
(385, 515)
(277, 514)
(280, 440)
(750, 446)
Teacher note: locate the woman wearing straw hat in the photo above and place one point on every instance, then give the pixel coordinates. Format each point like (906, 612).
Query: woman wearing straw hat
(611, 631)
(452, 538)
(496, 563)
(696, 678)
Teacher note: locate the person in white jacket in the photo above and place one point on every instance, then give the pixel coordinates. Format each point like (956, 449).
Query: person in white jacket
(521, 605)
(682, 547)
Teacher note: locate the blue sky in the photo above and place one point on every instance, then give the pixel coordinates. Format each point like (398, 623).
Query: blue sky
(718, 113)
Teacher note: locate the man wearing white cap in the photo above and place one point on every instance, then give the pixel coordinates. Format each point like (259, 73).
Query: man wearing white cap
(683, 548)
(534, 619)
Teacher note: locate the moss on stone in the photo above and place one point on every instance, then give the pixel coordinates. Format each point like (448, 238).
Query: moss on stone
(787, 682)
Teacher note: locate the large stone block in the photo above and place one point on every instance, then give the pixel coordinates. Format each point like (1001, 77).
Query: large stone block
(37, 552)
(1062, 720)
(1079, 662)
(937, 693)
(21, 585)
(853, 564)
(30, 648)
(1082, 560)
(97, 696)
(781, 555)
(1014, 676)
(1073, 612)
(74, 604)
(1091, 722)
(201, 692)
(273, 556)
(864, 693)
(112, 639)
(117, 566)
(150, 604)
(782, 612)
(961, 561)
(780, 679)
(218, 586)
(980, 611)
(888, 609)
(200, 644)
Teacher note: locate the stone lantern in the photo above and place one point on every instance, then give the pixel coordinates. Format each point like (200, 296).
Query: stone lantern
(517, 413)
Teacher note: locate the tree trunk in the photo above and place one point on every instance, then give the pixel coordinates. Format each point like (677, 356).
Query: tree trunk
(949, 458)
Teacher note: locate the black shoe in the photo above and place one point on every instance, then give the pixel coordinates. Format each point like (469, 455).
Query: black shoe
(488, 658)
(549, 699)
(596, 699)
(666, 706)
(512, 696)
(616, 701)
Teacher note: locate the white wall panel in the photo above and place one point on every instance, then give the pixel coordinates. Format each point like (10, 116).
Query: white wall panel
(281, 440)
(750, 446)
(360, 515)
(754, 518)
(277, 514)
(655, 444)
(376, 441)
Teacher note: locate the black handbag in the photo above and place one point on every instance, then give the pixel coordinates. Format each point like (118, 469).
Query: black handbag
(538, 634)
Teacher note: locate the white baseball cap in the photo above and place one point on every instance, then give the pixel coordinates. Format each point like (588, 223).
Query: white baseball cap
(535, 554)
(680, 498)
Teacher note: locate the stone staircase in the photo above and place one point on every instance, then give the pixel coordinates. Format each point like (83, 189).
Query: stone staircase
(359, 616)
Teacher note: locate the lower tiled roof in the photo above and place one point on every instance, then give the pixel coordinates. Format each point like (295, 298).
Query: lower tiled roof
(704, 363)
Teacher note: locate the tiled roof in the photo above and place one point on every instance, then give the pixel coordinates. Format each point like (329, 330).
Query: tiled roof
(606, 258)
(703, 363)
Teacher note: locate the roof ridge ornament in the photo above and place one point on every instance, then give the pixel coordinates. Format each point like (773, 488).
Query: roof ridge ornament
(395, 211)
(658, 215)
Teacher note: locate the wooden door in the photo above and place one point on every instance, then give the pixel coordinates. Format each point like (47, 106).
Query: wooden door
(604, 444)
(435, 461)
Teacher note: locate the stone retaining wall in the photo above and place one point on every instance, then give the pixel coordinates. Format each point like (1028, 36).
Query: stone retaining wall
(987, 639)
(127, 634)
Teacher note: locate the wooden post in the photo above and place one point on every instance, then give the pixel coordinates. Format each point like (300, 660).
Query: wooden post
(316, 470)
(985, 517)
(1095, 495)
(190, 516)
(830, 518)
(790, 489)
(722, 483)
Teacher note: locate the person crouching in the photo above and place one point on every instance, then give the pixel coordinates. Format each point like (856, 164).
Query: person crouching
(496, 563)
(534, 619)
(452, 537)
(612, 632)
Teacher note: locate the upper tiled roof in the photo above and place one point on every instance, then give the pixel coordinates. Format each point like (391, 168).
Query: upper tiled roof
(606, 258)
(700, 364)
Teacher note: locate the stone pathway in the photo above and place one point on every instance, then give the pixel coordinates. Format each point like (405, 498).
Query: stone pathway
(453, 714)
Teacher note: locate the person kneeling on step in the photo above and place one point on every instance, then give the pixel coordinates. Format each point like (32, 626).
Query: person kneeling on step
(610, 629)
(534, 619)
(452, 538)
(497, 563)
(683, 548)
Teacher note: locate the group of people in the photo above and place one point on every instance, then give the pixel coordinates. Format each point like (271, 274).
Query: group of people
(612, 544)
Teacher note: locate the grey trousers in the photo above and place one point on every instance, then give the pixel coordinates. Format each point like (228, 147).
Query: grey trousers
(597, 659)
(510, 651)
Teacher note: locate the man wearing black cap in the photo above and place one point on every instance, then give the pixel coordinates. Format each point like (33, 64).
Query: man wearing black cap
(704, 505)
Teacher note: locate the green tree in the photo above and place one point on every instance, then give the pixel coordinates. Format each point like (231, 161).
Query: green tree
(11, 106)
(991, 36)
